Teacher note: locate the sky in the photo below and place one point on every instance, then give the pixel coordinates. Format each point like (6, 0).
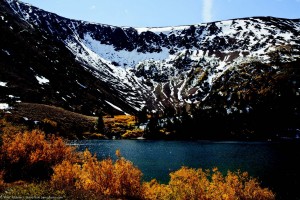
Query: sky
(158, 13)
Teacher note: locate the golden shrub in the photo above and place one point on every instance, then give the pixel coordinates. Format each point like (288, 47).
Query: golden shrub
(33, 146)
(120, 178)
(96, 175)
(65, 175)
(188, 183)
(31, 154)
(50, 122)
(8, 128)
(125, 119)
(237, 185)
(197, 184)
(135, 133)
(154, 190)
(127, 178)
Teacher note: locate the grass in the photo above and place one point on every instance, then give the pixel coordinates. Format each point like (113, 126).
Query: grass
(68, 124)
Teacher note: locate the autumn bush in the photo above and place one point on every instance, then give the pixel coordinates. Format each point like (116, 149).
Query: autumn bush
(125, 119)
(120, 120)
(155, 190)
(122, 179)
(8, 127)
(31, 155)
(135, 133)
(196, 184)
(116, 179)
(121, 125)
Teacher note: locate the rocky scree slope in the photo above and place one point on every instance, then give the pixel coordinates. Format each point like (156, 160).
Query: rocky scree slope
(232, 68)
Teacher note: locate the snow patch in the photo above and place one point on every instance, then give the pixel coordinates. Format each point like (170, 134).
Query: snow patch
(122, 57)
(3, 84)
(5, 51)
(180, 90)
(42, 80)
(116, 107)
(4, 106)
(81, 85)
(165, 30)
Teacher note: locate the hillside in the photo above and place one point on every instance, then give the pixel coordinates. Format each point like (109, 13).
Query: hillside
(70, 125)
(233, 76)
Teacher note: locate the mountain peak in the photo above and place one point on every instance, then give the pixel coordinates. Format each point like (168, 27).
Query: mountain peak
(155, 67)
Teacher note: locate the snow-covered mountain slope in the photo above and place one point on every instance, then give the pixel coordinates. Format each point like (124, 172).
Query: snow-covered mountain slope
(172, 67)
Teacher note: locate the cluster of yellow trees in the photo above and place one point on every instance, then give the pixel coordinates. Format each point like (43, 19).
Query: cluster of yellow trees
(36, 159)
(123, 126)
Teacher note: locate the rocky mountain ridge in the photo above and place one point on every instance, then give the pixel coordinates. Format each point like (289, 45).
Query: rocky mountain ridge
(228, 67)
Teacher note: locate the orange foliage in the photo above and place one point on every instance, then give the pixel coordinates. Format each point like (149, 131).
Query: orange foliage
(135, 133)
(33, 146)
(95, 175)
(188, 183)
(154, 190)
(197, 184)
(126, 119)
(237, 185)
(65, 174)
(120, 178)
(7, 127)
(120, 123)
(33, 152)
(127, 178)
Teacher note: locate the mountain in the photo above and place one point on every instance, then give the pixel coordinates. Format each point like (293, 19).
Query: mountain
(240, 72)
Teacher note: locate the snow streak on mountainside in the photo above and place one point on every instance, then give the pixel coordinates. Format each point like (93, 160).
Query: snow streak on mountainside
(172, 66)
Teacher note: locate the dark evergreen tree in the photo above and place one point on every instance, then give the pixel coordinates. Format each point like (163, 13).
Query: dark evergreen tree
(185, 130)
(142, 115)
(152, 130)
(100, 123)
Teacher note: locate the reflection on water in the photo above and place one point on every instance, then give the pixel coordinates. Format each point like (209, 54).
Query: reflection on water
(275, 164)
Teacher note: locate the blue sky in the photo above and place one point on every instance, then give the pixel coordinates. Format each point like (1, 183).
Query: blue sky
(156, 13)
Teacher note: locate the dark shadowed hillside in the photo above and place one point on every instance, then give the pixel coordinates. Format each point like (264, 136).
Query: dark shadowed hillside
(234, 76)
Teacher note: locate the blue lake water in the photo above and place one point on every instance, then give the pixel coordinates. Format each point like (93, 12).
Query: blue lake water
(275, 164)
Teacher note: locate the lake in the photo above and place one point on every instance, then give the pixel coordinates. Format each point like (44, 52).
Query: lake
(275, 164)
